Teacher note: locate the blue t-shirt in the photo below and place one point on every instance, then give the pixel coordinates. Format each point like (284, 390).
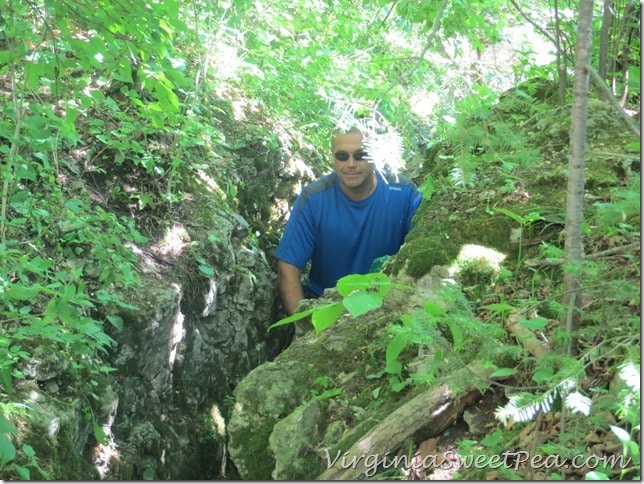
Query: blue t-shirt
(341, 236)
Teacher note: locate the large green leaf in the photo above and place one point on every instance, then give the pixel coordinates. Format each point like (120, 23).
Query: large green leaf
(357, 282)
(361, 302)
(7, 451)
(325, 316)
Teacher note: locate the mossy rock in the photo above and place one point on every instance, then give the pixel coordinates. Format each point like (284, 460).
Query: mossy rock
(445, 224)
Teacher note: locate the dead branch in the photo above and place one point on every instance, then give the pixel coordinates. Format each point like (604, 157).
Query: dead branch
(596, 255)
(431, 412)
(526, 337)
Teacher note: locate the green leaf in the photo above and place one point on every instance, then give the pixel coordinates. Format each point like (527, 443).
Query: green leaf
(427, 189)
(394, 367)
(6, 382)
(116, 321)
(356, 282)
(362, 302)
(290, 319)
(633, 147)
(433, 308)
(325, 316)
(74, 205)
(543, 374)
(498, 307)
(21, 293)
(207, 270)
(100, 435)
(535, 324)
(396, 384)
(330, 393)
(6, 427)
(493, 440)
(23, 473)
(501, 372)
(124, 71)
(394, 348)
(7, 451)
(29, 451)
(516, 217)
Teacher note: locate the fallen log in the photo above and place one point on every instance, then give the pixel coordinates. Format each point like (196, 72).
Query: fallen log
(429, 414)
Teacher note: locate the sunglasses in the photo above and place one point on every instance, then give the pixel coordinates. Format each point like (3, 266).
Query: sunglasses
(344, 156)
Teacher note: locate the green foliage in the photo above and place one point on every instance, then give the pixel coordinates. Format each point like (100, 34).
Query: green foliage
(621, 215)
(327, 390)
(447, 339)
(485, 136)
(360, 293)
(13, 461)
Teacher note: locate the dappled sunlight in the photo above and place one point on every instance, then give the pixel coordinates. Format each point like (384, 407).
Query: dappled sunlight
(173, 243)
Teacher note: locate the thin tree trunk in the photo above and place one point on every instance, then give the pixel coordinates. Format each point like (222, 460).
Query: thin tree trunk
(562, 71)
(604, 38)
(630, 20)
(575, 194)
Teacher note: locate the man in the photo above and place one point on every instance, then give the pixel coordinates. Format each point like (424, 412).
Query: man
(343, 221)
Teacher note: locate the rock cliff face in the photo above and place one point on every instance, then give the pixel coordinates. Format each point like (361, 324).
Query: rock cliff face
(187, 339)
(191, 330)
(185, 347)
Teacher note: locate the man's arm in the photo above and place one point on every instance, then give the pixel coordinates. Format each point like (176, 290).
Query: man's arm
(290, 285)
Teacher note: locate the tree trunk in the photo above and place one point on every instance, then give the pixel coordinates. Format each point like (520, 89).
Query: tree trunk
(562, 70)
(630, 21)
(604, 38)
(575, 193)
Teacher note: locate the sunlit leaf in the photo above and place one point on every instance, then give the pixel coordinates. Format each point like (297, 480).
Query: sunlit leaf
(502, 372)
(325, 316)
(362, 302)
(535, 324)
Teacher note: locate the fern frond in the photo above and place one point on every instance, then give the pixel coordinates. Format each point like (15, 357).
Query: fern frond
(578, 403)
(631, 375)
(550, 251)
(525, 406)
(343, 114)
(463, 173)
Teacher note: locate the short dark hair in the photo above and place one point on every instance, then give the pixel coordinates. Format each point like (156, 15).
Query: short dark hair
(338, 131)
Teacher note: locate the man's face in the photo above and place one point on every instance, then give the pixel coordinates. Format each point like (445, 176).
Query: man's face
(355, 175)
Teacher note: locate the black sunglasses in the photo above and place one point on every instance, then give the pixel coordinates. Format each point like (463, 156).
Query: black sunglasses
(344, 156)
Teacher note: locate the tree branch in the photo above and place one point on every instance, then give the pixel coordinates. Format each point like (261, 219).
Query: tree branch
(596, 255)
(599, 82)
(421, 57)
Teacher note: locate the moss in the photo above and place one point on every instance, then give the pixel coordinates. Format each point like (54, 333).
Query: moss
(256, 445)
(59, 455)
(439, 233)
(345, 443)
